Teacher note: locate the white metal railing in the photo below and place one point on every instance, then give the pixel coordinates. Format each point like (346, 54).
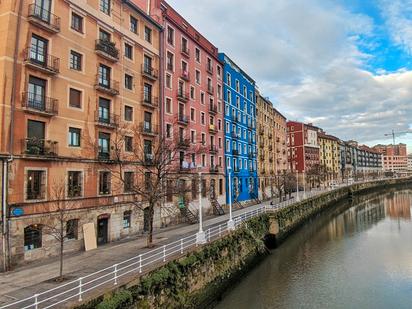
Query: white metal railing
(110, 276)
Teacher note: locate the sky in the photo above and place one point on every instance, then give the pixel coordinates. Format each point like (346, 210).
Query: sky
(345, 65)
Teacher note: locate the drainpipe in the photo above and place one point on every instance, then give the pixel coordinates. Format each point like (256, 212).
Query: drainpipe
(148, 7)
(6, 163)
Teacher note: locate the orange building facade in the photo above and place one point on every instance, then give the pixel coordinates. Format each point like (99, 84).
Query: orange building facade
(73, 71)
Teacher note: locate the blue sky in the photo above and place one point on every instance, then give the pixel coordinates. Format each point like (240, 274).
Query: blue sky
(343, 64)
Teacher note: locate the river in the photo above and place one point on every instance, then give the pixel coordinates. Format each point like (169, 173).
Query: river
(360, 257)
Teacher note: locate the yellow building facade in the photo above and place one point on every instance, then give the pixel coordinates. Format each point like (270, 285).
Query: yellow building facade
(329, 155)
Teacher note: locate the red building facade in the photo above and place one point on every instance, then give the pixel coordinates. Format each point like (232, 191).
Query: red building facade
(303, 148)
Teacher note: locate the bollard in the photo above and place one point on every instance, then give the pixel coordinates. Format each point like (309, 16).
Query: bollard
(140, 263)
(80, 289)
(181, 246)
(220, 231)
(164, 253)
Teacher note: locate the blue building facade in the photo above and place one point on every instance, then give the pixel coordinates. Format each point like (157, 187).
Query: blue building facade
(240, 132)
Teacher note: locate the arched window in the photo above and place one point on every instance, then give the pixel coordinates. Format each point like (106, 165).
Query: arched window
(32, 237)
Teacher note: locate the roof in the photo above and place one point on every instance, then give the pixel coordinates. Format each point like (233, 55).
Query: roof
(134, 5)
(227, 59)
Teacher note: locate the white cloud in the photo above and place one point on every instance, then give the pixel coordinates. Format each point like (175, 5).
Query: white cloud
(304, 55)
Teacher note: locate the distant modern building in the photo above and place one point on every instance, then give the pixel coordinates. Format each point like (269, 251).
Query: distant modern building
(395, 157)
(240, 131)
(303, 146)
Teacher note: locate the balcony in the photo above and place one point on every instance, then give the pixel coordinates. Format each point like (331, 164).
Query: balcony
(185, 76)
(277, 140)
(234, 135)
(235, 152)
(262, 157)
(182, 96)
(170, 67)
(261, 131)
(150, 101)
(183, 143)
(183, 119)
(107, 50)
(185, 51)
(148, 159)
(214, 169)
(109, 121)
(209, 69)
(42, 18)
(39, 147)
(213, 149)
(213, 109)
(149, 72)
(270, 159)
(236, 170)
(270, 136)
(41, 105)
(103, 155)
(251, 155)
(235, 120)
(212, 129)
(261, 145)
(42, 62)
(108, 86)
(210, 90)
(146, 128)
(270, 147)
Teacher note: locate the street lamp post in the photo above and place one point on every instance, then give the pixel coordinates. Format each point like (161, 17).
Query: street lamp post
(230, 223)
(200, 236)
(304, 185)
(297, 186)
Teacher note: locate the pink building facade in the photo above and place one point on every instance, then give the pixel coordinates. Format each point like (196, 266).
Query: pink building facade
(192, 109)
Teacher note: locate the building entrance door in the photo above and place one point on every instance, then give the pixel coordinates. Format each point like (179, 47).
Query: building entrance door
(102, 231)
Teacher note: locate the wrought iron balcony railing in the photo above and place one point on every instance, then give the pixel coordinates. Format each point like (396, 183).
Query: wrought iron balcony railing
(43, 18)
(149, 72)
(44, 62)
(107, 49)
(39, 104)
(39, 147)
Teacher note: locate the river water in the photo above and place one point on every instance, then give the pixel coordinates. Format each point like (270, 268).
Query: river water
(356, 257)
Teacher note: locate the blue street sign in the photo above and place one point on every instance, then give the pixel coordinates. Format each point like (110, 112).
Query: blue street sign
(17, 212)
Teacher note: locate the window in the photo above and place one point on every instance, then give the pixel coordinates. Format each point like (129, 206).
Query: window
(202, 98)
(75, 98)
(228, 79)
(74, 184)
(133, 24)
(104, 145)
(77, 22)
(32, 237)
(202, 118)
(170, 35)
(203, 187)
(104, 111)
(168, 130)
(192, 92)
(220, 186)
(104, 183)
(197, 54)
(197, 77)
(147, 93)
(128, 182)
(75, 61)
(148, 34)
(74, 137)
(185, 46)
(192, 136)
(192, 114)
(72, 227)
(170, 61)
(35, 187)
(127, 215)
(128, 113)
(128, 143)
(104, 76)
(128, 81)
(38, 49)
(128, 51)
(105, 6)
(168, 105)
(168, 81)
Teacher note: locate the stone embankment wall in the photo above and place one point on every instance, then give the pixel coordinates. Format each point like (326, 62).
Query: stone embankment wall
(200, 278)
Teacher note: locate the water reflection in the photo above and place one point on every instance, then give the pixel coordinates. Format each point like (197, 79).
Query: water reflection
(354, 256)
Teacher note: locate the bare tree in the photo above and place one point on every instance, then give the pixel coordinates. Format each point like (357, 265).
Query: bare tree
(55, 223)
(147, 166)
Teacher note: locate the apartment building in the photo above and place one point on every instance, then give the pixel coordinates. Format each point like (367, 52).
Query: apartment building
(192, 108)
(240, 132)
(73, 72)
(304, 150)
(395, 157)
(329, 155)
(272, 148)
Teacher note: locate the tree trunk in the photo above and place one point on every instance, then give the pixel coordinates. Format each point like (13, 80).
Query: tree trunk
(150, 234)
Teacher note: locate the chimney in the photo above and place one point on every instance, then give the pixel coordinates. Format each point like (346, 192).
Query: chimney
(149, 4)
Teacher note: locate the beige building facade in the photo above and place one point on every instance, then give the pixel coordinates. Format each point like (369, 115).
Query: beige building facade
(272, 147)
(73, 72)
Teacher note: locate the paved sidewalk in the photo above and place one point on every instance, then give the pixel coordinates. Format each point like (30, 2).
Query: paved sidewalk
(35, 277)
